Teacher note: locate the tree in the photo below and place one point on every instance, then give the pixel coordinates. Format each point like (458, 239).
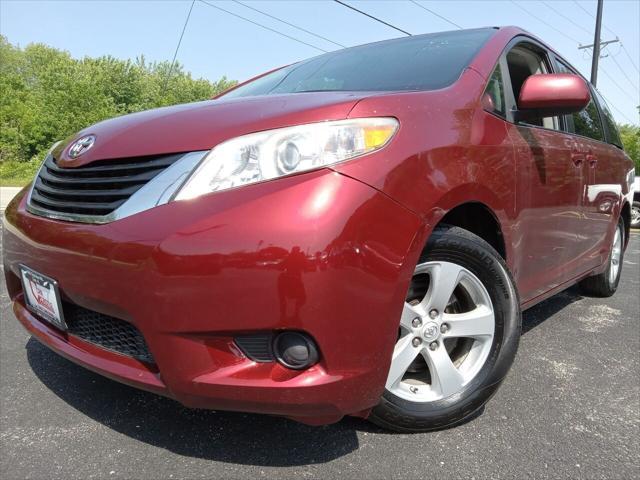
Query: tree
(630, 135)
(46, 95)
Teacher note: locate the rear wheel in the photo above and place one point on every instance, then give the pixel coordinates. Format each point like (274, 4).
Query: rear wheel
(458, 335)
(605, 284)
(635, 215)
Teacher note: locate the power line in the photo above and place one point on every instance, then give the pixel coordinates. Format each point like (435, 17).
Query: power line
(436, 14)
(612, 56)
(623, 72)
(617, 85)
(372, 17)
(391, 26)
(262, 26)
(596, 45)
(566, 18)
(289, 24)
(615, 108)
(613, 33)
(593, 16)
(545, 22)
(175, 54)
(574, 40)
(629, 56)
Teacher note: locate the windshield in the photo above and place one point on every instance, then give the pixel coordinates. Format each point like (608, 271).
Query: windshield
(423, 62)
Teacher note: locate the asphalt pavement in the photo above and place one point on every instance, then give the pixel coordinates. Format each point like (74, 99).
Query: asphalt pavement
(570, 408)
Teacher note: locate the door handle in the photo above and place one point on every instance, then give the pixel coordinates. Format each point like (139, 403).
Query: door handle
(592, 159)
(577, 158)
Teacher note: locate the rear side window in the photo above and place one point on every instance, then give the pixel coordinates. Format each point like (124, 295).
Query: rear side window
(609, 123)
(586, 122)
(493, 100)
(421, 62)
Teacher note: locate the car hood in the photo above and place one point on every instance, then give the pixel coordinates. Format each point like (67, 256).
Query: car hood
(202, 125)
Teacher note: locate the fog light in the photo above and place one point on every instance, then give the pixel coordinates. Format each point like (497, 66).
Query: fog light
(295, 350)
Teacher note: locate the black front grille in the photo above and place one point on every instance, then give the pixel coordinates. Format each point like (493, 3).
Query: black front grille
(97, 188)
(106, 332)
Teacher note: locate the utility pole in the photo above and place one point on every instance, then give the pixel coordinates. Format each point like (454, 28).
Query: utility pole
(594, 62)
(596, 45)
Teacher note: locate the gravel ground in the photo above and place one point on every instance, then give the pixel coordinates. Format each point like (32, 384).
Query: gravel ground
(570, 408)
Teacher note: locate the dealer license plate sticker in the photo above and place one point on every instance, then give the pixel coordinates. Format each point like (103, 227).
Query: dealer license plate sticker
(42, 296)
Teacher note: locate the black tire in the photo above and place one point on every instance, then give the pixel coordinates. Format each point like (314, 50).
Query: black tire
(454, 244)
(602, 285)
(635, 215)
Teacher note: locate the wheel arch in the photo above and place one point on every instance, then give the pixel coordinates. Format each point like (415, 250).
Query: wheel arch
(480, 219)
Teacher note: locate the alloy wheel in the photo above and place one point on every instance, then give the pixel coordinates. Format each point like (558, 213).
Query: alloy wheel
(635, 215)
(445, 336)
(616, 254)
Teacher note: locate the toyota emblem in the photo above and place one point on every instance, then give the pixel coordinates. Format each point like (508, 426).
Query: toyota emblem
(81, 145)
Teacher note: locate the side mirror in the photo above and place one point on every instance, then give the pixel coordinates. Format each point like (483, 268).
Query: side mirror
(551, 94)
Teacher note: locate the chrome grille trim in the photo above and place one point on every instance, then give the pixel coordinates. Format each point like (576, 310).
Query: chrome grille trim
(158, 190)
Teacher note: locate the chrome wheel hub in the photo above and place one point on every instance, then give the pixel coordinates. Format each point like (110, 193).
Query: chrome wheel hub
(635, 216)
(616, 254)
(431, 331)
(445, 336)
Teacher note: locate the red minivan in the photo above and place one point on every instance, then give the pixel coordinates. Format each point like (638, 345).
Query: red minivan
(355, 234)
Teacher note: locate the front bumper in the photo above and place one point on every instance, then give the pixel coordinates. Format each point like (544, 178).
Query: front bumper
(319, 252)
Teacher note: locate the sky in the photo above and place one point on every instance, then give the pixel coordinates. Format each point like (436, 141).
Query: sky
(216, 43)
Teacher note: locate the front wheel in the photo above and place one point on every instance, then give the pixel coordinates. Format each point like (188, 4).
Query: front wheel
(457, 338)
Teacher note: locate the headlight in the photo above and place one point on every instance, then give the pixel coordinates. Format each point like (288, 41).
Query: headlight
(284, 151)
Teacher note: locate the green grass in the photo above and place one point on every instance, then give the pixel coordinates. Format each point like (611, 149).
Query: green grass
(14, 182)
(17, 174)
